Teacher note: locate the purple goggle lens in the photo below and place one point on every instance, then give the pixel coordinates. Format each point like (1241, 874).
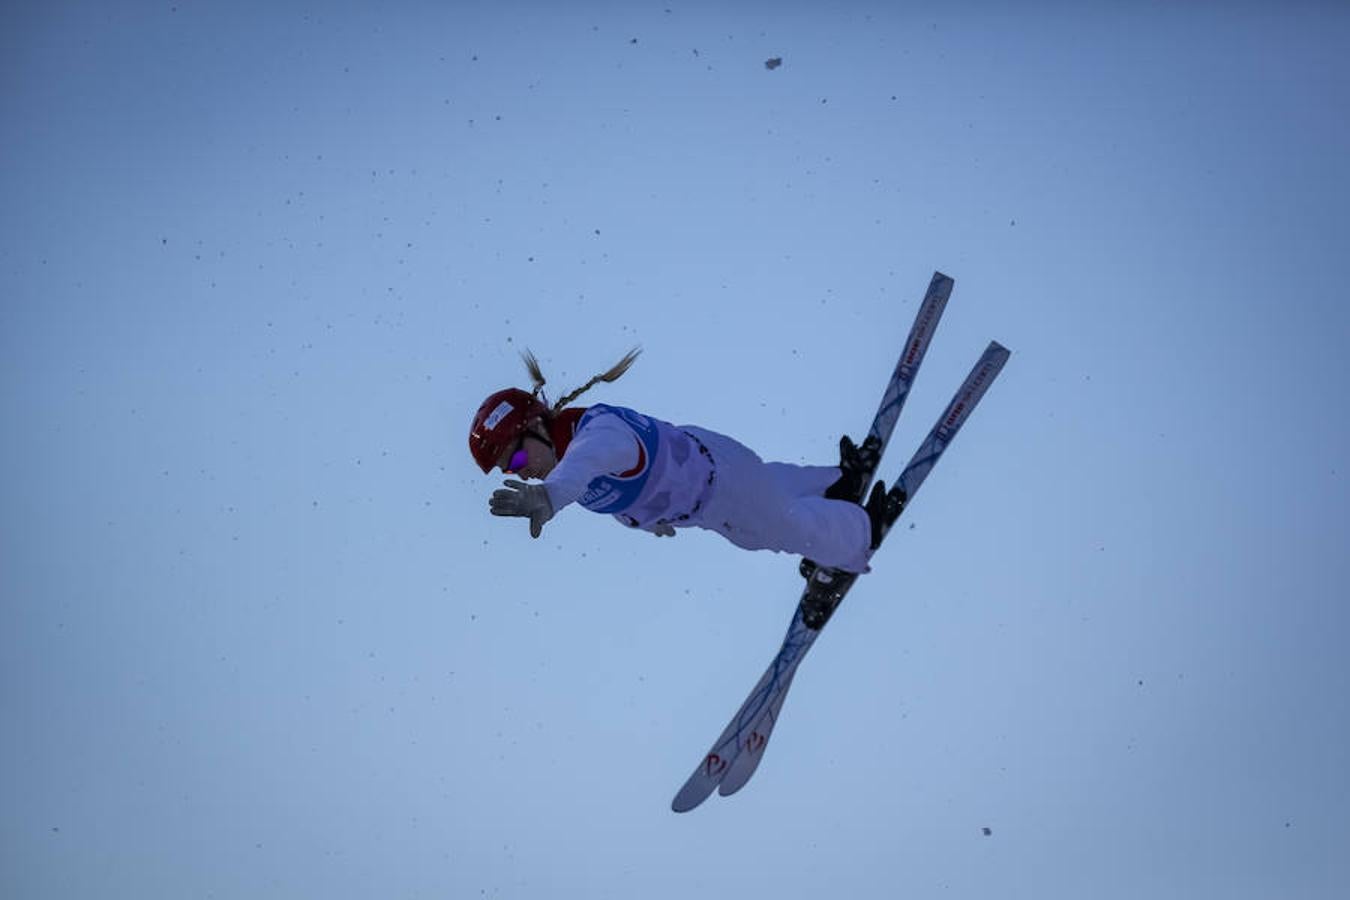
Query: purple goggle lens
(518, 461)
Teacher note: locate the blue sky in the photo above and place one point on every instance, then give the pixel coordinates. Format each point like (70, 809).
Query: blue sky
(260, 263)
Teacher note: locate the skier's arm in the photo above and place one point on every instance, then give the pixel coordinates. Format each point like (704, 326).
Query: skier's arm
(605, 445)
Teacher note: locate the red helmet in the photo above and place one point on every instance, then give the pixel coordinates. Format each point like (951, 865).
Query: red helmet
(499, 423)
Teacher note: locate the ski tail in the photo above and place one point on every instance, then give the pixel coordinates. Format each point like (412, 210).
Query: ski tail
(916, 347)
(902, 377)
(941, 435)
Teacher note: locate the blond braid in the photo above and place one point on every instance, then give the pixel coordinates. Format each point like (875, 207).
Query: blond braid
(614, 373)
(536, 373)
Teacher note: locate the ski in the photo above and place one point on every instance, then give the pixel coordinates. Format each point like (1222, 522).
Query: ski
(826, 587)
(902, 377)
(990, 363)
(736, 754)
(725, 765)
(898, 387)
(738, 748)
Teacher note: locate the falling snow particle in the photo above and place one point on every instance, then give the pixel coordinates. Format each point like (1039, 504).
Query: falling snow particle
(773, 63)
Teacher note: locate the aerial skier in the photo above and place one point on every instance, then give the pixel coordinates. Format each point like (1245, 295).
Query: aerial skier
(658, 477)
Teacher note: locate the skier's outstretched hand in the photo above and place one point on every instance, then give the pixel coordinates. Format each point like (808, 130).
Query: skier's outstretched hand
(521, 499)
(663, 530)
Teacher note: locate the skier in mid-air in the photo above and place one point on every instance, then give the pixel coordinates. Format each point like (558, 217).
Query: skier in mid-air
(655, 476)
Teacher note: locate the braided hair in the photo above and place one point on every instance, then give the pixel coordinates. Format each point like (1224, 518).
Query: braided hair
(613, 374)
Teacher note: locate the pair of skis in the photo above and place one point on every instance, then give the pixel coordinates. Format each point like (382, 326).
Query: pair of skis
(737, 752)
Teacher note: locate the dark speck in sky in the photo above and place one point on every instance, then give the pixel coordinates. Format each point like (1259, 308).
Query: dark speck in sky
(773, 63)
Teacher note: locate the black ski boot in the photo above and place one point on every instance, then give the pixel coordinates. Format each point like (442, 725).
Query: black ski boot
(884, 507)
(826, 587)
(854, 464)
(876, 511)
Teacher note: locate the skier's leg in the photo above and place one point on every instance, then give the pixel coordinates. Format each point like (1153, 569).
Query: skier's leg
(832, 533)
(826, 526)
(780, 506)
(801, 481)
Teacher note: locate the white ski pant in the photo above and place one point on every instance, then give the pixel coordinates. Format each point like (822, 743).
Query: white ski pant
(779, 506)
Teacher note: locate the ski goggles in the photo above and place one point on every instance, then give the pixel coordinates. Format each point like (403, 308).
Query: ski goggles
(521, 456)
(517, 461)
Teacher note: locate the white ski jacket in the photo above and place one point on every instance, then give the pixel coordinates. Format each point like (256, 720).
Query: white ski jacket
(653, 475)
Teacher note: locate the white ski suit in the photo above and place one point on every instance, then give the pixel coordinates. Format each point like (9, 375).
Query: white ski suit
(650, 474)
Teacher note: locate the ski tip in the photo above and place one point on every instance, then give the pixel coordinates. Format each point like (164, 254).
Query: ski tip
(682, 803)
(726, 790)
(697, 789)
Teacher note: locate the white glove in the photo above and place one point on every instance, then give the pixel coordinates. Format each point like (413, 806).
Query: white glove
(521, 499)
(663, 530)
